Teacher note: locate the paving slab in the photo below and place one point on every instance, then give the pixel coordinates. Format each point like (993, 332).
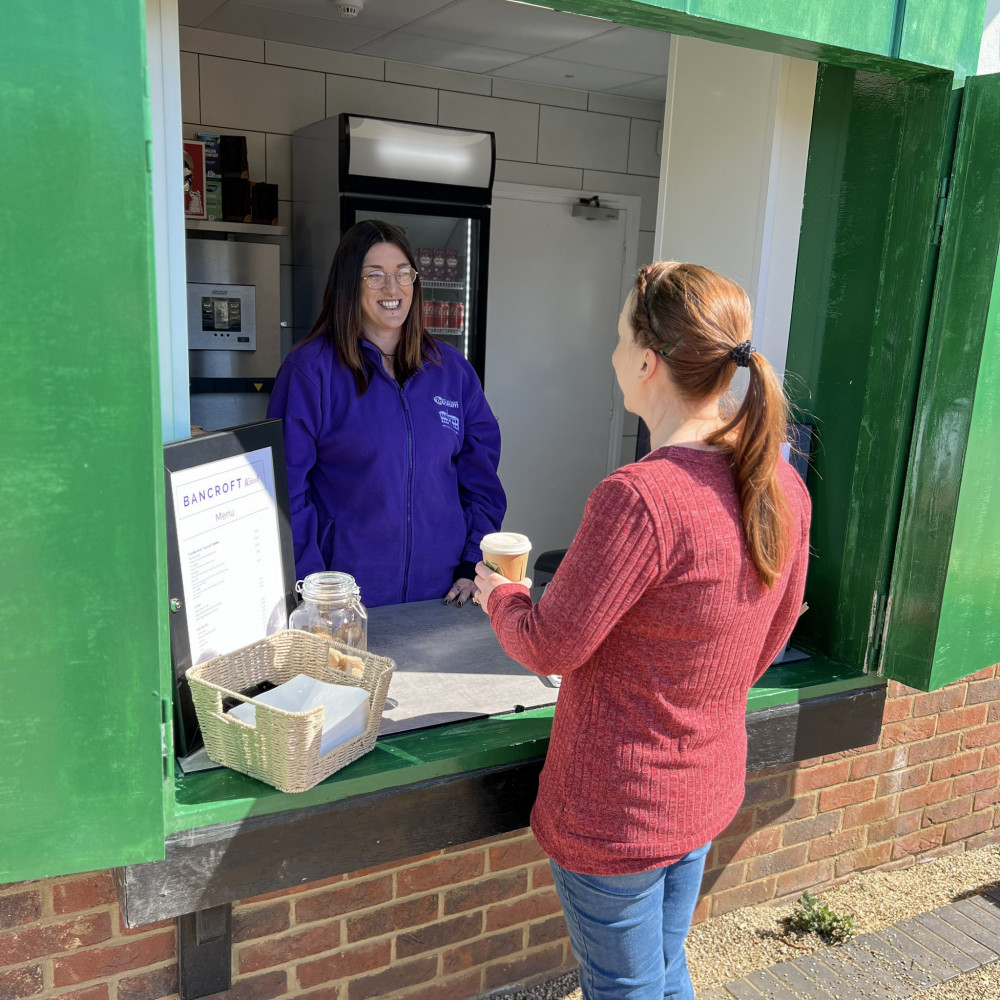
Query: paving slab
(770, 986)
(890, 972)
(982, 914)
(808, 989)
(817, 970)
(938, 945)
(977, 952)
(903, 966)
(742, 990)
(954, 916)
(989, 906)
(855, 975)
(941, 970)
(715, 993)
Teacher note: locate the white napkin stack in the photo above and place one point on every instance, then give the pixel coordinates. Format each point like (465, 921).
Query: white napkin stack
(345, 709)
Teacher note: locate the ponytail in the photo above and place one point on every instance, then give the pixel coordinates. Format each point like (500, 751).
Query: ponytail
(753, 436)
(700, 323)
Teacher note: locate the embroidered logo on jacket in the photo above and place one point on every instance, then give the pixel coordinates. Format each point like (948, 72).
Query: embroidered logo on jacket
(449, 420)
(450, 403)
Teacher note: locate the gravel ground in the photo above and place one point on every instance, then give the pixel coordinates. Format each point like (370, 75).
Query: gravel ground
(737, 943)
(731, 946)
(983, 984)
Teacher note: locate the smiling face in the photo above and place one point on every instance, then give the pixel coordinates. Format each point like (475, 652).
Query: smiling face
(384, 310)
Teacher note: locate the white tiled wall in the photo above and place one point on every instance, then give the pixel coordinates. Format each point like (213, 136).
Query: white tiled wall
(380, 99)
(190, 92)
(548, 136)
(443, 79)
(515, 123)
(582, 138)
(645, 140)
(248, 95)
(536, 93)
(545, 135)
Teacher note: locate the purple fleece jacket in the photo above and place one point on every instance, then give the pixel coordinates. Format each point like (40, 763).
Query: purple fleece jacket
(396, 487)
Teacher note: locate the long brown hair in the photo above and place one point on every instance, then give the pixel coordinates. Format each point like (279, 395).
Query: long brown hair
(339, 319)
(694, 318)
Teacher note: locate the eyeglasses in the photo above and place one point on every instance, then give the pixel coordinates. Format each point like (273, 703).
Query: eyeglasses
(379, 279)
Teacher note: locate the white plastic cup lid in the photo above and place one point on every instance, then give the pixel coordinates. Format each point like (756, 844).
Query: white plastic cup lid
(505, 543)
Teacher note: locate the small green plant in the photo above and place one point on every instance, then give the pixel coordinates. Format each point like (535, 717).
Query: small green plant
(815, 916)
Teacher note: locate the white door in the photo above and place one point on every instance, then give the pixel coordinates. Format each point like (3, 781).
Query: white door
(555, 289)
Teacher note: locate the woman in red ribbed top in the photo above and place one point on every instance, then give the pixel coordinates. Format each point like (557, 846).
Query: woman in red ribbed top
(682, 585)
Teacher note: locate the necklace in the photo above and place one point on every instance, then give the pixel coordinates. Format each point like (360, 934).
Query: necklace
(385, 354)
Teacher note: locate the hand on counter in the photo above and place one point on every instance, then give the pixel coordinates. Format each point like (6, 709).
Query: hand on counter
(461, 590)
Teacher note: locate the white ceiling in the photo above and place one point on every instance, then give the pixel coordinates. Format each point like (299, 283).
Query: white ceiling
(499, 37)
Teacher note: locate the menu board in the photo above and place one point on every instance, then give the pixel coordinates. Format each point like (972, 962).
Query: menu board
(230, 561)
(226, 518)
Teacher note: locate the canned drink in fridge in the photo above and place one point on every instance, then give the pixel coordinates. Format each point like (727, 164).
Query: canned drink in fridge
(441, 314)
(428, 313)
(456, 316)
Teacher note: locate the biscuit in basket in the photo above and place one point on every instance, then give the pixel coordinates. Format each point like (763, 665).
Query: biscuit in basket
(352, 665)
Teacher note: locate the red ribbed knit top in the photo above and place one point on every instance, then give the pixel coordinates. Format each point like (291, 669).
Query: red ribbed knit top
(659, 624)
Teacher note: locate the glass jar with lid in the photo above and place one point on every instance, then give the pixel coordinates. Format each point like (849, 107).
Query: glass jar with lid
(331, 606)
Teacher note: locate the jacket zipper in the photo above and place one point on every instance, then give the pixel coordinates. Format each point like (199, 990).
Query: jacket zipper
(407, 419)
(409, 491)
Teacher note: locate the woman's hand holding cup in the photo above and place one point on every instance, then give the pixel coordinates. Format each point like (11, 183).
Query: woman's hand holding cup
(505, 560)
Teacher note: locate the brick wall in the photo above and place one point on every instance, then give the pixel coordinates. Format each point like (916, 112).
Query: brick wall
(460, 923)
(929, 787)
(448, 925)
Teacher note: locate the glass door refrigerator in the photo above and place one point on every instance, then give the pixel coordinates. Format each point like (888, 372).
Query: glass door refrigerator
(435, 183)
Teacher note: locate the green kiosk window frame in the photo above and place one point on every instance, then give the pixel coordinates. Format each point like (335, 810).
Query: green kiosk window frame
(878, 154)
(873, 138)
(774, 706)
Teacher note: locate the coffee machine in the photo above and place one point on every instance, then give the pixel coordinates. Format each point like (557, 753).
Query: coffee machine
(234, 330)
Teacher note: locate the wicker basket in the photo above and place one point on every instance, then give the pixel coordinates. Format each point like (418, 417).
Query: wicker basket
(282, 748)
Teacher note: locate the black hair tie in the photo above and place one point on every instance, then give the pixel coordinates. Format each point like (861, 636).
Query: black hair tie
(740, 354)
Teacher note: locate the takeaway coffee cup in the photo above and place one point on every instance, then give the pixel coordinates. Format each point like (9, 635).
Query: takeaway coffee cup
(506, 553)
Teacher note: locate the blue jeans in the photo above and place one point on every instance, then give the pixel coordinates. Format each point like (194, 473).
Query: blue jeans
(628, 931)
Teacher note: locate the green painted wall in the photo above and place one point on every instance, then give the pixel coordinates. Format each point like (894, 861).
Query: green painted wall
(856, 335)
(969, 633)
(945, 616)
(81, 498)
(861, 34)
(943, 33)
(81, 493)
(969, 630)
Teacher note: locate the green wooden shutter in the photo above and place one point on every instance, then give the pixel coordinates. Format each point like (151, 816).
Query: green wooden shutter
(856, 335)
(83, 645)
(944, 613)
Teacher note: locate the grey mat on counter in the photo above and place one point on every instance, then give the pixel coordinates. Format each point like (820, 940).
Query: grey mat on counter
(449, 666)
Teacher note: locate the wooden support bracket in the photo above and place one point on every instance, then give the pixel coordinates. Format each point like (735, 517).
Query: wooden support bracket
(204, 952)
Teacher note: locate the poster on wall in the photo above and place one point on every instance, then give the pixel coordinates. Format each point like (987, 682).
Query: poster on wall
(230, 562)
(194, 179)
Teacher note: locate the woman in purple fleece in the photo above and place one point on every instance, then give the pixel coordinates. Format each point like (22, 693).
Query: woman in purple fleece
(390, 445)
